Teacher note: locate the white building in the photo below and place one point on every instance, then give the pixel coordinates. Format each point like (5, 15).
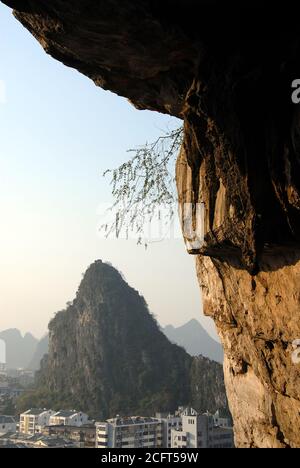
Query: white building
(69, 418)
(34, 420)
(199, 431)
(7, 424)
(169, 422)
(133, 432)
(195, 431)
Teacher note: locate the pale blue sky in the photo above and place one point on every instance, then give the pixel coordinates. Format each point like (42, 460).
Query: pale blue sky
(58, 134)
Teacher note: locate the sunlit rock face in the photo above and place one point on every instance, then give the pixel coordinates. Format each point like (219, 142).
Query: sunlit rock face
(228, 74)
(258, 320)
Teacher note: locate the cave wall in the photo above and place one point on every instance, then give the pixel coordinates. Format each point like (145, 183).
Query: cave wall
(241, 163)
(227, 72)
(257, 319)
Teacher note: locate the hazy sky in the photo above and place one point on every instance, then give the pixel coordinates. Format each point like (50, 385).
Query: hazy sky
(58, 134)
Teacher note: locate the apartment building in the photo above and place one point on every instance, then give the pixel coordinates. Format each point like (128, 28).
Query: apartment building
(34, 420)
(69, 418)
(199, 431)
(83, 436)
(132, 432)
(169, 422)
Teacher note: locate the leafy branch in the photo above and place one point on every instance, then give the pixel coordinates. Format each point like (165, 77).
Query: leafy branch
(144, 185)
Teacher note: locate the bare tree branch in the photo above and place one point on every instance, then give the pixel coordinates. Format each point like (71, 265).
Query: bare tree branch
(144, 184)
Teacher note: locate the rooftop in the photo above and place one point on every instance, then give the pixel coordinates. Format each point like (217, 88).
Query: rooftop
(7, 420)
(55, 442)
(35, 411)
(49, 441)
(132, 421)
(65, 414)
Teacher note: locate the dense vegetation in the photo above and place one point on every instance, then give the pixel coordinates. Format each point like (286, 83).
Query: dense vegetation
(107, 356)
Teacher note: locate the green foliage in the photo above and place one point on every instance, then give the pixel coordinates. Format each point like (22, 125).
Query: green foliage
(42, 397)
(207, 385)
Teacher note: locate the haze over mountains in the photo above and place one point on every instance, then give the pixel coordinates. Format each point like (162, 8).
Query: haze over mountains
(19, 349)
(195, 340)
(26, 352)
(23, 352)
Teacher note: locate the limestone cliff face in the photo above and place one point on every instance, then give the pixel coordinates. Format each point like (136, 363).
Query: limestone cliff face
(258, 320)
(242, 168)
(108, 356)
(227, 72)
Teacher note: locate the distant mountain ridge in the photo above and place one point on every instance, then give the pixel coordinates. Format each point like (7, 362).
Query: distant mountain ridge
(19, 349)
(28, 352)
(195, 340)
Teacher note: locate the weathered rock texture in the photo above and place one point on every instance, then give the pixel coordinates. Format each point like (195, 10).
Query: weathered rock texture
(108, 356)
(228, 73)
(258, 321)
